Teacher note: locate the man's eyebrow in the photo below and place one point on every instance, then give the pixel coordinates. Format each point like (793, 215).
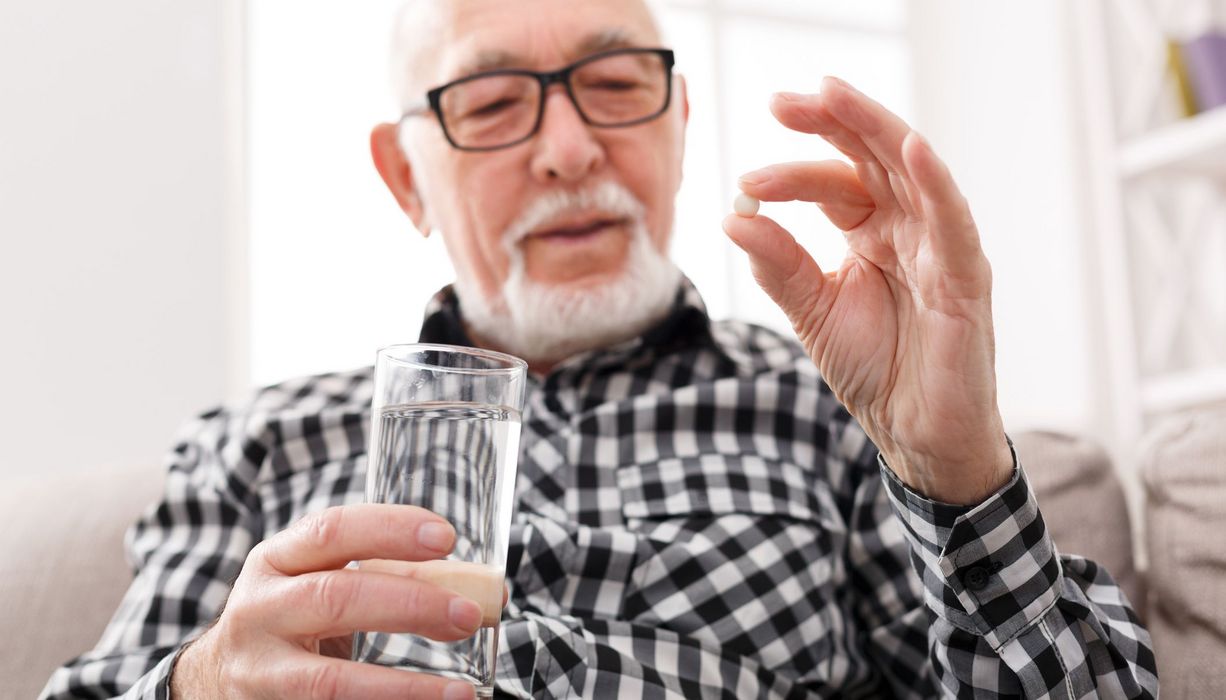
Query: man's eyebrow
(488, 60)
(605, 40)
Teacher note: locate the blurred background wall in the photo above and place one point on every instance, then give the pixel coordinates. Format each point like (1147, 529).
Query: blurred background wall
(113, 276)
(188, 210)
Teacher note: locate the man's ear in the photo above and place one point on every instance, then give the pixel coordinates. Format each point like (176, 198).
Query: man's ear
(682, 96)
(397, 174)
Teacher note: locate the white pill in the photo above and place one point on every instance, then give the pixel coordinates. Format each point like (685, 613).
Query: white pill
(745, 206)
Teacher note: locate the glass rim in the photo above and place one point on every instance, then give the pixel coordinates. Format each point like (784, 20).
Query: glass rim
(511, 364)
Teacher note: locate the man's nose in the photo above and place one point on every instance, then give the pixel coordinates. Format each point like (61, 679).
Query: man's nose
(565, 149)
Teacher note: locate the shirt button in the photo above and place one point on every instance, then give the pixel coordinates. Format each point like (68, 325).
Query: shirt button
(976, 578)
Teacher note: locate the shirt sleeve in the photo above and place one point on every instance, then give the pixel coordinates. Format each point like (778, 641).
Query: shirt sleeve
(1006, 614)
(186, 550)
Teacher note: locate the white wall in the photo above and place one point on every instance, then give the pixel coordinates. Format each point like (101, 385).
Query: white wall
(997, 95)
(111, 217)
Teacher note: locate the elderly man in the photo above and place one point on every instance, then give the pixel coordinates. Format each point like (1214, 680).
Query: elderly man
(704, 509)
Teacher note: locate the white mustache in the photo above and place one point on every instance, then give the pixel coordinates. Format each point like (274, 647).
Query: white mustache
(606, 199)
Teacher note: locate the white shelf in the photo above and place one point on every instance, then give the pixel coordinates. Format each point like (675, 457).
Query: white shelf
(1175, 392)
(1196, 145)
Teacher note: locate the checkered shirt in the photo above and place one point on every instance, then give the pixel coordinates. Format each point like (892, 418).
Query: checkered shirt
(697, 517)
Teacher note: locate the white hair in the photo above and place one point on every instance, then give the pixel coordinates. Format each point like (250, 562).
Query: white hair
(548, 323)
(413, 28)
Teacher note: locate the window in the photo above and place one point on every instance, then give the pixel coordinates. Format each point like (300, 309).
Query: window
(337, 270)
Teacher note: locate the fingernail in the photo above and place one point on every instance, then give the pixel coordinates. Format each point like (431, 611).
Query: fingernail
(756, 177)
(459, 690)
(437, 536)
(790, 96)
(464, 613)
(838, 81)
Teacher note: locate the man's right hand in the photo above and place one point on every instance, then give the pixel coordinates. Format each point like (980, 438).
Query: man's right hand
(294, 593)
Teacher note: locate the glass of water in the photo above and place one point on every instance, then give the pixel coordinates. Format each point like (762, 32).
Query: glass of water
(444, 435)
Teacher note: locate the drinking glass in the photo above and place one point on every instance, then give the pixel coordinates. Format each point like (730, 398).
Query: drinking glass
(444, 435)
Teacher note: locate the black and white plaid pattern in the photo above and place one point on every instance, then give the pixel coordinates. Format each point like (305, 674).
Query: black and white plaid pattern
(697, 516)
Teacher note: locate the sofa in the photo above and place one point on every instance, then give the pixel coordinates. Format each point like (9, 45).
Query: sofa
(64, 570)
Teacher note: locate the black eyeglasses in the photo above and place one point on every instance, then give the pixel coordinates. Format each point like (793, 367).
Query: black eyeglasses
(502, 108)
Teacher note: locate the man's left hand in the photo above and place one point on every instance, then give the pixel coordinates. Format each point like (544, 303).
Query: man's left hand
(902, 332)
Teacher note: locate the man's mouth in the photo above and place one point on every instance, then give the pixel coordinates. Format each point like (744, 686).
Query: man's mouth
(579, 229)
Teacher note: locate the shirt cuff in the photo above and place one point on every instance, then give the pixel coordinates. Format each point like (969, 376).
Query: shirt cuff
(989, 569)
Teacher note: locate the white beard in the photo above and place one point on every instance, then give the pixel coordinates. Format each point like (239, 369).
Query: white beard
(545, 323)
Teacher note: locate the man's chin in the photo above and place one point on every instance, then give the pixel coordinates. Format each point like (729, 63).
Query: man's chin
(556, 321)
(578, 282)
(550, 317)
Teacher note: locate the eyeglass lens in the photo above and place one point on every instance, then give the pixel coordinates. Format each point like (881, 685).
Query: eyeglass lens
(494, 110)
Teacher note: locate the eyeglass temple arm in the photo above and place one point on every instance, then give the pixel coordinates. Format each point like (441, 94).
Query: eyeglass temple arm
(416, 109)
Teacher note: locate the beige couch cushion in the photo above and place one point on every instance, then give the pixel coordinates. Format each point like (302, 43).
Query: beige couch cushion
(1183, 469)
(64, 568)
(1083, 503)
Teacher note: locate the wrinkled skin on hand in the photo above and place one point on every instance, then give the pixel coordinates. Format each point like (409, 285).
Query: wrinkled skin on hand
(902, 331)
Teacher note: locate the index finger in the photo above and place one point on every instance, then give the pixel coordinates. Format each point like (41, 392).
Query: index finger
(332, 538)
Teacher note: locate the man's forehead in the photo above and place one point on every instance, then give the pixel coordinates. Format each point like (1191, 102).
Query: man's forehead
(469, 36)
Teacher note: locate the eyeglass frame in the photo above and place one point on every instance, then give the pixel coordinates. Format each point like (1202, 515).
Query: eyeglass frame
(433, 100)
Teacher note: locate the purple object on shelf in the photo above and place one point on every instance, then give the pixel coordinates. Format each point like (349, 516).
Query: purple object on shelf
(1205, 59)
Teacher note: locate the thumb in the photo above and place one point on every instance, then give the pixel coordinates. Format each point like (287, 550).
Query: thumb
(781, 266)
